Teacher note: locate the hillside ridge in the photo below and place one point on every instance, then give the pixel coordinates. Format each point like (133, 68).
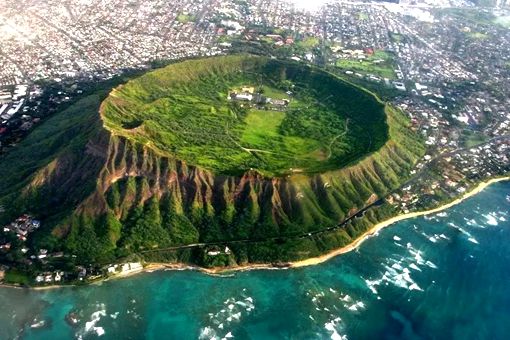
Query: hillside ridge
(105, 196)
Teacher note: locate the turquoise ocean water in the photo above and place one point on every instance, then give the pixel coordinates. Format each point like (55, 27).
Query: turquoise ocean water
(445, 276)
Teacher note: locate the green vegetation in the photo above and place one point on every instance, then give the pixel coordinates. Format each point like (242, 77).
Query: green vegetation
(472, 138)
(32, 167)
(380, 63)
(308, 43)
(477, 35)
(16, 277)
(362, 16)
(184, 18)
(184, 111)
(503, 21)
(475, 16)
(115, 185)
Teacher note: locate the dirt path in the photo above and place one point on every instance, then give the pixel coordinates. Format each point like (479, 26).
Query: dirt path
(336, 137)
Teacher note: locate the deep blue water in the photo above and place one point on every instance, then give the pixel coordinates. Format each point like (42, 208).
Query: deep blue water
(445, 276)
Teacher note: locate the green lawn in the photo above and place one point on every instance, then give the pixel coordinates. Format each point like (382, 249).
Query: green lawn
(362, 16)
(184, 18)
(472, 138)
(371, 65)
(477, 35)
(262, 125)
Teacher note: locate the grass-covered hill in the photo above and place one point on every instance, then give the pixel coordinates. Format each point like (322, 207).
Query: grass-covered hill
(184, 111)
(142, 171)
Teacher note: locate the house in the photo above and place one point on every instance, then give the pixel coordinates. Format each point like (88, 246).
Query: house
(244, 96)
(278, 102)
(58, 276)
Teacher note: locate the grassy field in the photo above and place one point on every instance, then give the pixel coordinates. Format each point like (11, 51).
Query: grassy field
(371, 65)
(261, 126)
(477, 35)
(308, 43)
(263, 136)
(184, 110)
(184, 18)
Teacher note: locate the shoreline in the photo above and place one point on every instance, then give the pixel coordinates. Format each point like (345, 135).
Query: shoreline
(381, 225)
(156, 266)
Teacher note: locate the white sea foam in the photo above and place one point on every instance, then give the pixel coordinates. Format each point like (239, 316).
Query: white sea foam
(470, 222)
(371, 284)
(431, 264)
(417, 256)
(415, 267)
(356, 306)
(396, 266)
(442, 214)
(353, 307)
(331, 326)
(99, 331)
(346, 298)
(473, 240)
(233, 311)
(491, 219)
(90, 326)
(94, 318)
(414, 286)
(207, 333)
(470, 237)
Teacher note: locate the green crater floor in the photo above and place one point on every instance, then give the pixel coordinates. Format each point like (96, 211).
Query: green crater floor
(186, 110)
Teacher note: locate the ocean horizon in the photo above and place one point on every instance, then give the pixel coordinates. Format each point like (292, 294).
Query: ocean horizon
(439, 276)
